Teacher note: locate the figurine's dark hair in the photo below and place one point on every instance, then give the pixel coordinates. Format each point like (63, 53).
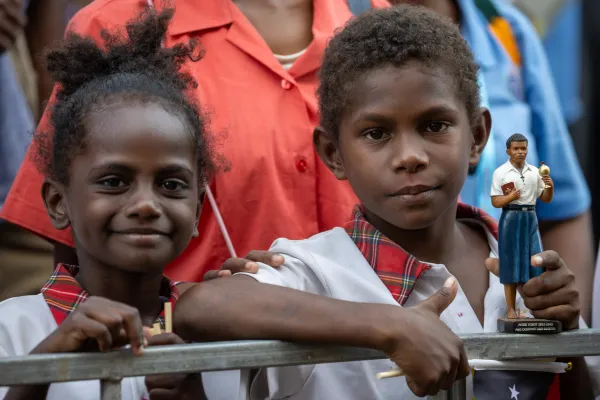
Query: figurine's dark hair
(517, 137)
(131, 69)
(394, 36)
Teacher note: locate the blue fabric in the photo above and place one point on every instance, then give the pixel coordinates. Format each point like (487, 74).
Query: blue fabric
(562, 43)
(523, 100)
(485, 169)
(16, 124)
(518, 240)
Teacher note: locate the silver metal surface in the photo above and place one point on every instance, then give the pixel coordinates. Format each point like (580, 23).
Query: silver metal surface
(116, 365)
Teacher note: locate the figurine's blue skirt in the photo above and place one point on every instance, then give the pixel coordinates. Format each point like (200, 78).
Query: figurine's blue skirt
(518, 240)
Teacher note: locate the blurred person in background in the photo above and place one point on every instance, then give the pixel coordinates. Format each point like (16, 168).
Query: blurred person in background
(26, 27)
(523, 100)
(258, 80)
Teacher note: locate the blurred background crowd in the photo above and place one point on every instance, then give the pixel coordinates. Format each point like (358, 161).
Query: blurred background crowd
(569, 31)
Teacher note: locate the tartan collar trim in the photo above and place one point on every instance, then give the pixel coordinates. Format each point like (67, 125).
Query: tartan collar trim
(63, 294)
(396, 268)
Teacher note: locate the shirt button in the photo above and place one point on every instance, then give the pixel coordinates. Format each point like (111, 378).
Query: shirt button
(286, 84)
(301, 165)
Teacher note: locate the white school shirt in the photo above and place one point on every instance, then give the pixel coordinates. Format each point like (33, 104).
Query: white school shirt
(528, 181)
(25, 322)
(331, 265)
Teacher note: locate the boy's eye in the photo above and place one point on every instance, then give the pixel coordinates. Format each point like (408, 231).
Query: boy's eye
(173, 185)
(375, 134)
(436, 127)
(112, 182)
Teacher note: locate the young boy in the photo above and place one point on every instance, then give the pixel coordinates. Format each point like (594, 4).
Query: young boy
(400, 120)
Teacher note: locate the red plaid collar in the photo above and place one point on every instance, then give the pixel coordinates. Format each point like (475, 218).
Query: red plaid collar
(397, 269)
(63, 293)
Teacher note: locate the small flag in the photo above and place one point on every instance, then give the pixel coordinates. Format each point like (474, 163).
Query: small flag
(512, 385)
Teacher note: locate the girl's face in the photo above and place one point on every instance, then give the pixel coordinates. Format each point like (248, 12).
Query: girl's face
(132, 198)
(405, 144)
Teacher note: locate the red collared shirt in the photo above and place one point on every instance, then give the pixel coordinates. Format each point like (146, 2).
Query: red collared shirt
(277, 186)
(64, 294)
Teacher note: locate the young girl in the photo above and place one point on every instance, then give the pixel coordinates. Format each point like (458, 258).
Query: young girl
(124, 166)
(401, 121)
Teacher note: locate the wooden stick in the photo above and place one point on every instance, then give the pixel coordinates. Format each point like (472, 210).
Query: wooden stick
(168, 317)
(156, 329)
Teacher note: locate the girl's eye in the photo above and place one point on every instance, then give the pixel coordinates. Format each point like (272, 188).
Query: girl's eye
(173, 185)
(112, 183)
(436, 127)
(375, 134)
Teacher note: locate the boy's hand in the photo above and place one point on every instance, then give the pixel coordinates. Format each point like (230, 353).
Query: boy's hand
(247, 264)
(553, 294)
(97, 323)
(516, 194)
(12, 21)
(173, 386)
(429, 353)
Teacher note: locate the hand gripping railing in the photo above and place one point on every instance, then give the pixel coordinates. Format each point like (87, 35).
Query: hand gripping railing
(111, 367)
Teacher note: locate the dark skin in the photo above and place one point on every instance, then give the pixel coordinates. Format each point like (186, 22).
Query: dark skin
(286, 26)
(421, 148)
(572, 237)
(132, 201)
(399, 141)
(388, 142)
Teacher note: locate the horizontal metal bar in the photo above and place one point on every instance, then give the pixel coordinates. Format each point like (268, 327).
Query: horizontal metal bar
(253, 354)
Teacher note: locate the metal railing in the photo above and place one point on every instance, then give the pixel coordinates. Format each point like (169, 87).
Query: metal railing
(111, 367)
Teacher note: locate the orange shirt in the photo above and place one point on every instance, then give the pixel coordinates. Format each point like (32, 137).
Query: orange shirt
(277, 186)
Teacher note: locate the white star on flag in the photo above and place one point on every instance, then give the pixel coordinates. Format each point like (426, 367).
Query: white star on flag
(513, 392)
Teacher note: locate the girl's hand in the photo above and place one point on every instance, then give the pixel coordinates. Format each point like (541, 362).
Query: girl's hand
(96, 324)
(247, 264)
(173, 386)
(553, 294)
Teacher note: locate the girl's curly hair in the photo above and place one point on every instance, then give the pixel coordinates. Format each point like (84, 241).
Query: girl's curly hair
(134, 68)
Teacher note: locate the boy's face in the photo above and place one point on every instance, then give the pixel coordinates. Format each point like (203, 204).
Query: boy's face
(517, 152)
(132, 198)
(405, 144)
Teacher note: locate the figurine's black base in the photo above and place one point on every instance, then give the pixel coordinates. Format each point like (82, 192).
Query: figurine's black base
(529, 325)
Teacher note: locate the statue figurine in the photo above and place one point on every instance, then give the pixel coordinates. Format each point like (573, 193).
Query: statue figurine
(516, 186)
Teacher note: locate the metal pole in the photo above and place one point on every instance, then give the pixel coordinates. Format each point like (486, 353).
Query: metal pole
(458, 392)
(110, 389)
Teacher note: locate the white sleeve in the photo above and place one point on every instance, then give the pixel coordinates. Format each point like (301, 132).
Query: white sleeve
(496, 185)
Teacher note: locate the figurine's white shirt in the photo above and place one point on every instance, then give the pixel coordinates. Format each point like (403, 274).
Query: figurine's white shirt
(527, 180)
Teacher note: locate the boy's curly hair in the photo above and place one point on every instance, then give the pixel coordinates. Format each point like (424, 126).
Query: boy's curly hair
(393, 36)
(132, 69)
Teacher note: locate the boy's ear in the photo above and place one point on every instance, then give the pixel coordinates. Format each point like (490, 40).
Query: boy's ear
(53, 195)
(481, 134)
(329, 153)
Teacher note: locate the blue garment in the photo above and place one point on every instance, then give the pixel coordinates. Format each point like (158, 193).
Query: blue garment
(562, 43)
(523, 100)
(518, 240)
(16, 125)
